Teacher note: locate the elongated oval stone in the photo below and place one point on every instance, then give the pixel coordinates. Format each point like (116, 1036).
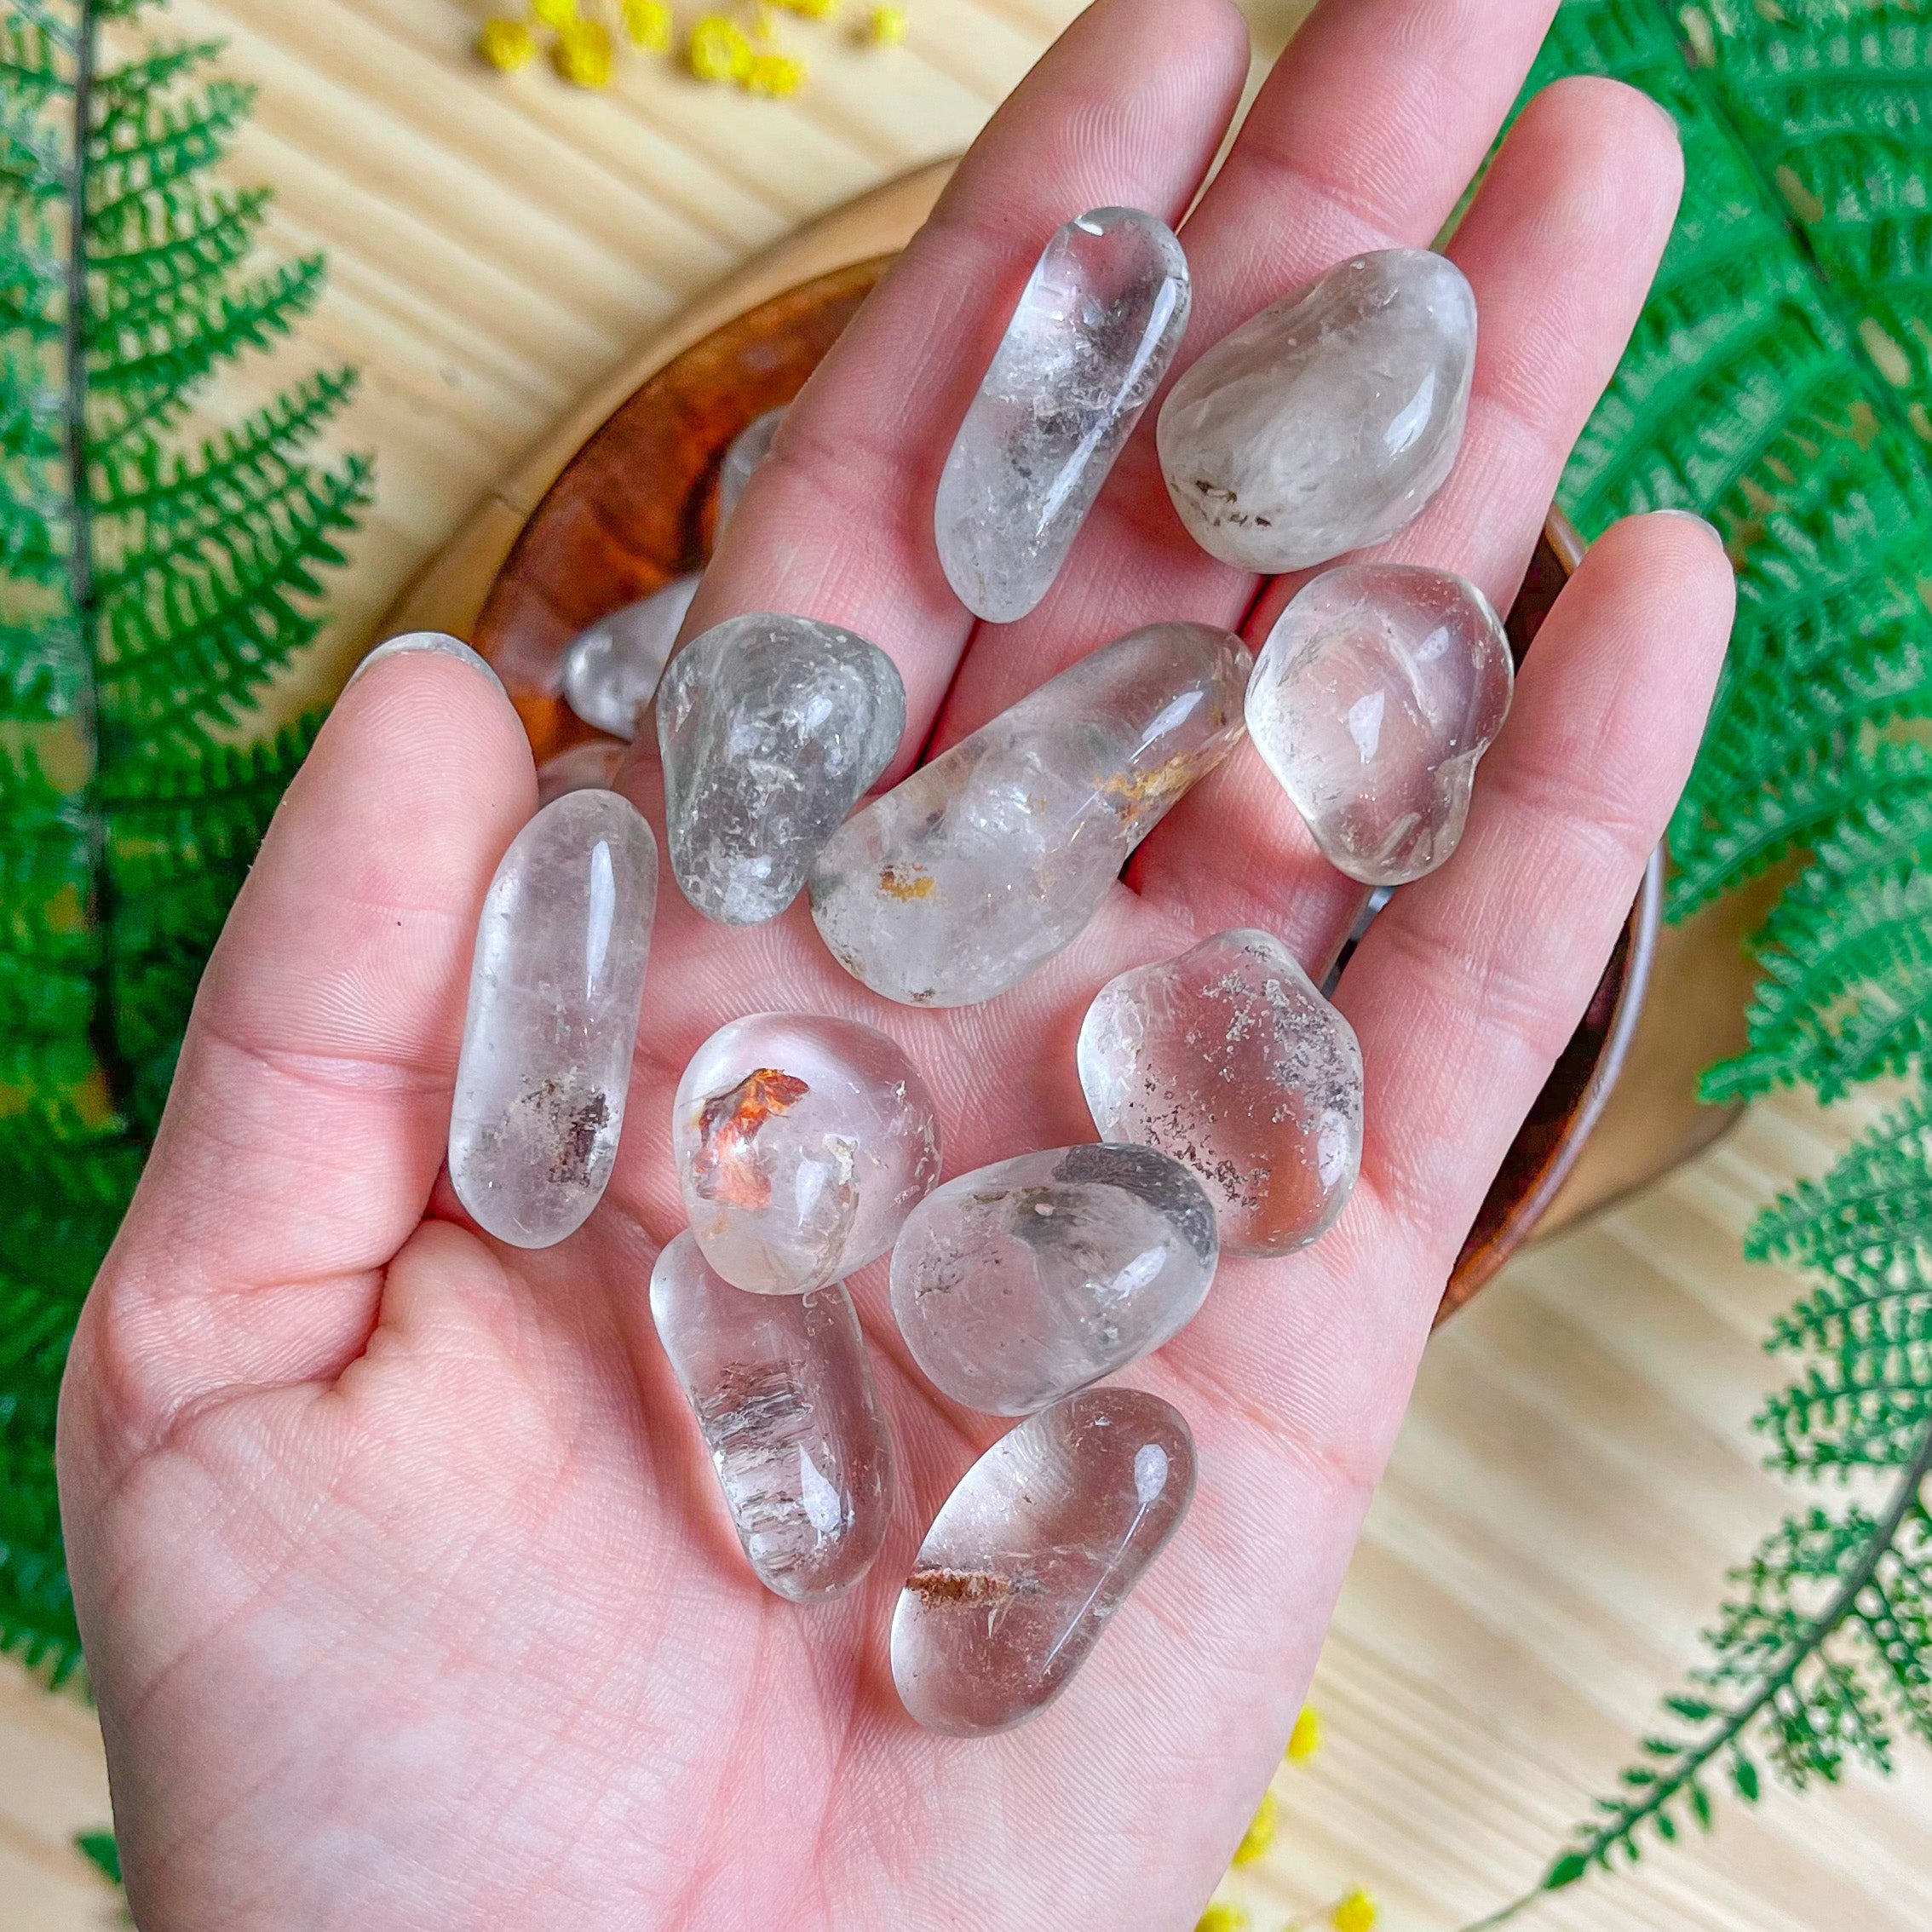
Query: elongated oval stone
(611, 672)
(985, 863)
(1018, 1284)
(555, 988)
(1230, 1060)
(749, 448)
(1095, 332)
(772, 729)
(1033, 1553)
(784, 1395)
(802, 1143)
(591, 766)
(1379, 689)
(1325, 422)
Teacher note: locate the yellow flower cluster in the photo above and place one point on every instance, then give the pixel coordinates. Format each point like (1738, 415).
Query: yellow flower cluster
(1355, 1913)
(1305, 1739)
(1221, 1917)
(1260, 1834)
(583, 51)
(721, 50)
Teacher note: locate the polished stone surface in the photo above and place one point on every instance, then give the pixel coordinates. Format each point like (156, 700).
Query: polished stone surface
(1228, 1059)
(749, 448)
(784, 1395)
(772, 729)
(555, 989)
(1031, 1555)
(1017, 1283)
(1326, 422)
(1095, 331)
(610, 671)
(802, 1143)
(591, 766)
(986, 862)
(1379, 689)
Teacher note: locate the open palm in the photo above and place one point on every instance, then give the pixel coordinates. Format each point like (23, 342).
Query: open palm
(407, 1592)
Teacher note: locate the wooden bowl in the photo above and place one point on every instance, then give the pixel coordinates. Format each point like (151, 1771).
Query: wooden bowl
(634, 507)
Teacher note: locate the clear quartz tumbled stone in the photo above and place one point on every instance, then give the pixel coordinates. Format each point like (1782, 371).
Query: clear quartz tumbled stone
(802, 1144)
(591, 766)
(555, 989)
(783, 1396)
(1091, 338)
(1037, 1547)
(611, 672)
(1229, 1059)
(1021, 1282)
(988, 860)
(1326, 422)
(749, 448)
(1380, 687)
(772, 729)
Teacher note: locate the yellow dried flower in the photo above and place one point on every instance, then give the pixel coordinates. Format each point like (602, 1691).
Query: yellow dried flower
(775, 74)
(1221, 1917)
(1356, 1913)
(1305, 1739)
(507, 45)
(1260, 1834)
(557, 14)
(584, 54)
(887, 25)
(719, 49)
(812, 10)
(648, 23)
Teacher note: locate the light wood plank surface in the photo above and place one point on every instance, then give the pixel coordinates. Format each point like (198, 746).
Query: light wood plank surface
(1577, 1470)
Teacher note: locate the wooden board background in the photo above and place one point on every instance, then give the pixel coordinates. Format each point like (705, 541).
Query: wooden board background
(1577, 1470)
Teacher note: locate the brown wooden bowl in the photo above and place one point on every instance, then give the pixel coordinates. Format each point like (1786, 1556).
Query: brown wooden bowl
(635, 507)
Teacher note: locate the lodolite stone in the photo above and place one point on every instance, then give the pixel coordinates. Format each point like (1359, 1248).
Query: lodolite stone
(1229, 1059)
(1018, 1284)
(802, 1145)
(1379, 688)
(782, 1392)
(1033, 1553)
(555, 992)
(986, 862)
(1327, 421)
(772, 729)
(749, 448)
(591, 766)
(1094, 333)
(611, 672)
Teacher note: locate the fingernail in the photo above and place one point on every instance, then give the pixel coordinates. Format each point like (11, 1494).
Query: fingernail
(439, 643)
(1702, 522)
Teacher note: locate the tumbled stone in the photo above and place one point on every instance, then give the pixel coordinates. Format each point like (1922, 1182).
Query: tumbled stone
(591, 766)
(555, 991)
(985, 863)
(783, 1396)
(802, 1143)
(1033, 1553)
(749, 448)
(611, 672)
(1018, 1284)
(1095, 332)
(1380, 687)
(772, 729)
(1326, 422)
(1230, 1060)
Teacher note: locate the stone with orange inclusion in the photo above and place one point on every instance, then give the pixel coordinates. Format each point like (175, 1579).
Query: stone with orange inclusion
(802, 1143)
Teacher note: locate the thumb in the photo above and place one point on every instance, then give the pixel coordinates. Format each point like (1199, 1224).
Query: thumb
(310, 1107)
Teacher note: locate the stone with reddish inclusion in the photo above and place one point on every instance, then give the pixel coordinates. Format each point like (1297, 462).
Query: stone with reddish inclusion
(1095, 331)
(987, 862)
(1378, 691)
(1021, 1282)
(1033, 1553)
(784, 1397)
(802, 1142)
(772, 728)
(591, 766)
(1327, 421)
(1229, 1059)
(611, 670)
(555, 988)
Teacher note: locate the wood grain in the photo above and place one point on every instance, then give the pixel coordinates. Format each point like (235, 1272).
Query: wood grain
(1577, 1470)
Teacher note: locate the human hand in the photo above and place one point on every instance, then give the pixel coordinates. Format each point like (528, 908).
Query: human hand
(407, 1593)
